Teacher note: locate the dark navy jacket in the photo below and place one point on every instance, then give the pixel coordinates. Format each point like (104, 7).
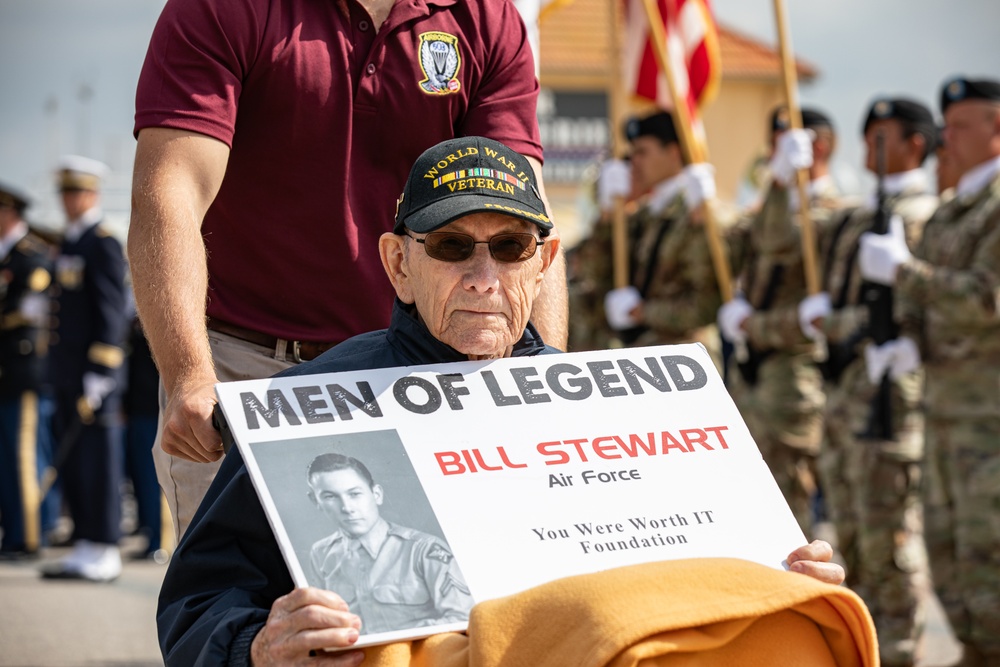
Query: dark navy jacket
(90, 313)
(26, 270)
(228, 569)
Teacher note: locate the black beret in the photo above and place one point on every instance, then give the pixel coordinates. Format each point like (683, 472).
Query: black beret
(659, 125)
(814, 118)
(912, 114)
(811, 119)
(10, 196)
(960, 88)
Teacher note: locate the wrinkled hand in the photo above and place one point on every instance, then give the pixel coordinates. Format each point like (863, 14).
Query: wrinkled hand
(307, 620)
(96, 387)
(187, 423)
(731, 317)
(619, 307)
(880, 255)
(812, 309)
(615, 180)
(699, 184)
(793, 151)
(814, 560)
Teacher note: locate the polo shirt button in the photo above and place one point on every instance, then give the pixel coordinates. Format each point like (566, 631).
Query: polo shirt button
(371, 68)
(363, 25)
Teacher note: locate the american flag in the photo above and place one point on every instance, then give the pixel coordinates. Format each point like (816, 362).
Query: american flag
(692, 49)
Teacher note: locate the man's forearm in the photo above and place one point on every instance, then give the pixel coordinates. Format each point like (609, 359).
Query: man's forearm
(176, 179)
(170, 281)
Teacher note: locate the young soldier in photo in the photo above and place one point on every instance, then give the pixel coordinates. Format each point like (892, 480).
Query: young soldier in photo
(392, 576)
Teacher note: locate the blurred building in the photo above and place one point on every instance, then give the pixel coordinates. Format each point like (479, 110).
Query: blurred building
(576, 70)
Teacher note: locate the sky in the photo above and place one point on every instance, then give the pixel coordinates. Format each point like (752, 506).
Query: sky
(52, 52)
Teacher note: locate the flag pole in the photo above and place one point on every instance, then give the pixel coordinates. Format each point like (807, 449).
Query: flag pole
(616, 112)
(790, 79)
(693, 149)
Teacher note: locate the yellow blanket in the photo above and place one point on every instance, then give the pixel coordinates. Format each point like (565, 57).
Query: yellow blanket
(686, 613)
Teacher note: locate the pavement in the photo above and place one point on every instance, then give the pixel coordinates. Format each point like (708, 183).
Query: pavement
(60, 623)
(66, 623)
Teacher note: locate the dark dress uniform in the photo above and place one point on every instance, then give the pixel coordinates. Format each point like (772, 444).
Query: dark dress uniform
(25, 272)
(142, 409)
(89, 329)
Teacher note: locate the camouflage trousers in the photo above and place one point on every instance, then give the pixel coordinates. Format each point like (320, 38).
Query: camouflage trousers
(784, 412)
(962, 526)
(873, 501)
(871, 490)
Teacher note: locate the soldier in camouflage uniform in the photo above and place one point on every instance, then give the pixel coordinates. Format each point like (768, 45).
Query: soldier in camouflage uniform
(778, 388)
(870, 483)
(589, 278)
(673, 293)
(947, 294)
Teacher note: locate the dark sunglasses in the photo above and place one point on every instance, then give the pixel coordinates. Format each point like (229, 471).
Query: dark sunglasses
(456, 247)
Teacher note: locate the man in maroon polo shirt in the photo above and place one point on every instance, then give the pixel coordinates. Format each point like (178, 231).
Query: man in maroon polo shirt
(273, 139)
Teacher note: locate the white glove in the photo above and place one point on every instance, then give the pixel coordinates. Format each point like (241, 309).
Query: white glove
(618, 305)
(879, 255)
(615, 180)
(731, 316)
(905, 357)
(699, 184)
(35, 309)
(877, 360)
(793, 151)
(812, 308)
(96, 387)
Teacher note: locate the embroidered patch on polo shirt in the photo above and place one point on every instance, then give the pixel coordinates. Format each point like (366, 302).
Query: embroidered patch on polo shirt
(439, 61)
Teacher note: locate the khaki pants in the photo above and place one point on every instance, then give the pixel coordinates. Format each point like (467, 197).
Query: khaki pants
(185, 483)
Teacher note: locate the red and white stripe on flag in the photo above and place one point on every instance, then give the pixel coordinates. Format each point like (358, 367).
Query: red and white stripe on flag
(692, 49)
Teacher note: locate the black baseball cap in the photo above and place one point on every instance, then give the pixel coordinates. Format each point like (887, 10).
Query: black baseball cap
(959, 88)
(659, 125)
(468, 175)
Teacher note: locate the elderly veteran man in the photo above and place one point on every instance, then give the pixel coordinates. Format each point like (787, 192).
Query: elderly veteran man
(466, 257)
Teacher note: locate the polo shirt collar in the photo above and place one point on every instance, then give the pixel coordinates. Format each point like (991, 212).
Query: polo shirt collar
(406, 10)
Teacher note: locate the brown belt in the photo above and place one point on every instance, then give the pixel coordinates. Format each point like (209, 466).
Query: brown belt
(297, 350)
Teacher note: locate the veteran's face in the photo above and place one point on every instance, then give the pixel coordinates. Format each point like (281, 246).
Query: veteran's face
(972, 133)
(478, 306)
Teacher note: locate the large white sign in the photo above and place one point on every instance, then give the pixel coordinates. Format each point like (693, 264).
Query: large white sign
(528, 469)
